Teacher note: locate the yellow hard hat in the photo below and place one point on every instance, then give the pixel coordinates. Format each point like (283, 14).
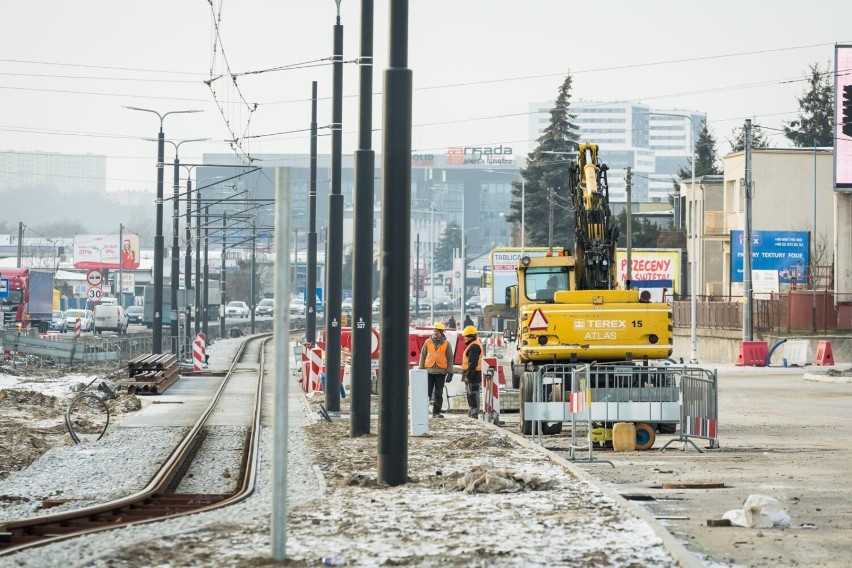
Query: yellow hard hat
(469, 330)
(440, 326)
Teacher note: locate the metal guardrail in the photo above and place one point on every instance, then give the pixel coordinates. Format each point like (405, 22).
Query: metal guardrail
(66, 349)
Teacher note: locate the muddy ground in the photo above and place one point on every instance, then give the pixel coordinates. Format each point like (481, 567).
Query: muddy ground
(780, 435)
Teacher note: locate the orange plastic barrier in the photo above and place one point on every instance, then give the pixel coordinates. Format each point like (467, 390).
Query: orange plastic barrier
(752, 354)
(824, 356)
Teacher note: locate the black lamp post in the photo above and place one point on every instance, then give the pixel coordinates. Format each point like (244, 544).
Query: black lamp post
(157, 346)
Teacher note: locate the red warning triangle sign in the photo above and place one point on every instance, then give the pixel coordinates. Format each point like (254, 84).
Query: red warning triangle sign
(538, 321)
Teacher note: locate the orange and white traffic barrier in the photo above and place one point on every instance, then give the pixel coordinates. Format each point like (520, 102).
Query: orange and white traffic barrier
(491, 389)
(315, 356)
(198, 354)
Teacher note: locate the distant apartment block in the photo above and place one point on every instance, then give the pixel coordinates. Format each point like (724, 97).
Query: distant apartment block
(68, 173)
(650, 141)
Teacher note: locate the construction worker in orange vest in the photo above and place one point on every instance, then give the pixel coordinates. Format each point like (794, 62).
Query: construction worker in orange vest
(437, 358)
(472, 369)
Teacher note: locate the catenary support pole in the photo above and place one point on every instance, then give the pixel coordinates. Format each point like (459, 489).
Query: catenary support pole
(223, 300)
(198, 306)
(311, 276)
(206, 313)
(334, 263)
(362, 256)
(253, 291)
(174, 279)
(187, 266)
(159, 247)
(396, 252)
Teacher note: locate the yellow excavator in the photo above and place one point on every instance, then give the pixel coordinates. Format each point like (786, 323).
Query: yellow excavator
(572, 309)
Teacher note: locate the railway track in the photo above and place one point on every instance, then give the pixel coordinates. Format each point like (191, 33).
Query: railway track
(158, 500)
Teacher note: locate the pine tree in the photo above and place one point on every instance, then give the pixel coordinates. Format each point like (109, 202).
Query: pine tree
(450, 240)
(547, 169)
(706, 157)
(758, 138)
(816, 112)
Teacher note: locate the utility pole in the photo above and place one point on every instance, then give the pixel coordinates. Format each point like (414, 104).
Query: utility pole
(20, 242)
(550, 221)
(813, 247)
(629, 189)
(747, 286)
(334, 260)
(120, 264)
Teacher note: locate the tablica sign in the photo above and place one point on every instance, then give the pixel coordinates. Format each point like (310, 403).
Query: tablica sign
(651, 265)
(504, 266)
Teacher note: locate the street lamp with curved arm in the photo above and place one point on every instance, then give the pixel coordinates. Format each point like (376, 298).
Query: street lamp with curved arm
(693, 342)
(157, 346)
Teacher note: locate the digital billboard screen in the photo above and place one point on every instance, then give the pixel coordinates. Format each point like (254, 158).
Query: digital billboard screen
(843, 118)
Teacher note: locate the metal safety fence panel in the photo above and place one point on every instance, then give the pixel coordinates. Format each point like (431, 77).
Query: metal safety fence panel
(699, 407)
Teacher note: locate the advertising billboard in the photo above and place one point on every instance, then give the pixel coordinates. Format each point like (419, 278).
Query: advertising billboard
(785, 252)
(843, 117)
(104, 252)
(656, 267)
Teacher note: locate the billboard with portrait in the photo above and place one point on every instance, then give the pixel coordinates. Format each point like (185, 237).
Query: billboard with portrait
(104, 252)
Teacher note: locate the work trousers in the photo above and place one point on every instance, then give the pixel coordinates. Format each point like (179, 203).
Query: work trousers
(473, 393)
(436, 385)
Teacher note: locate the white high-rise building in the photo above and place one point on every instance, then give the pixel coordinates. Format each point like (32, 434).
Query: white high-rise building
(654, 144)
(69, 173)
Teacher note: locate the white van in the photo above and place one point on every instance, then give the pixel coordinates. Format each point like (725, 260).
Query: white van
(110, 317)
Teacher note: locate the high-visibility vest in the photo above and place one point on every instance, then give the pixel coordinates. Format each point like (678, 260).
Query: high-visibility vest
(436, 357)
(464, 356)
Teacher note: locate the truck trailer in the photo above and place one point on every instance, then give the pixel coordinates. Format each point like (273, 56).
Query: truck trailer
(29, 298)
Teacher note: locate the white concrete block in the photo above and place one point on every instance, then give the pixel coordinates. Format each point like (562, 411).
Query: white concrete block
(418, 401)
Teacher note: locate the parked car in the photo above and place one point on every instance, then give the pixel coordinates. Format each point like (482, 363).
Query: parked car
(473, 304)
(237, 309)
(377, 304)
(346, 305)
(87, 319)
(134, 314)
(265, 307)
(443, 303)
(58, 322)
(110, 317)
(297, 307)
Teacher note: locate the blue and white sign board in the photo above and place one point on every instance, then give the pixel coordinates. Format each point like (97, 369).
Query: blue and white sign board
(786, 252)
(319, 297)
(4, 288)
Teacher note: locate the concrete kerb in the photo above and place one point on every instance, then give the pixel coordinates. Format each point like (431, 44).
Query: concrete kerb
(679, 552)
(316, 468)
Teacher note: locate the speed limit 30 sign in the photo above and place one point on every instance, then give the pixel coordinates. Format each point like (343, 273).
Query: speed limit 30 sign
(95, 293)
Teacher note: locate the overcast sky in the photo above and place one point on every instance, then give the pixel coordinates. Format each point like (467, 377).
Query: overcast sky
(66, 69)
